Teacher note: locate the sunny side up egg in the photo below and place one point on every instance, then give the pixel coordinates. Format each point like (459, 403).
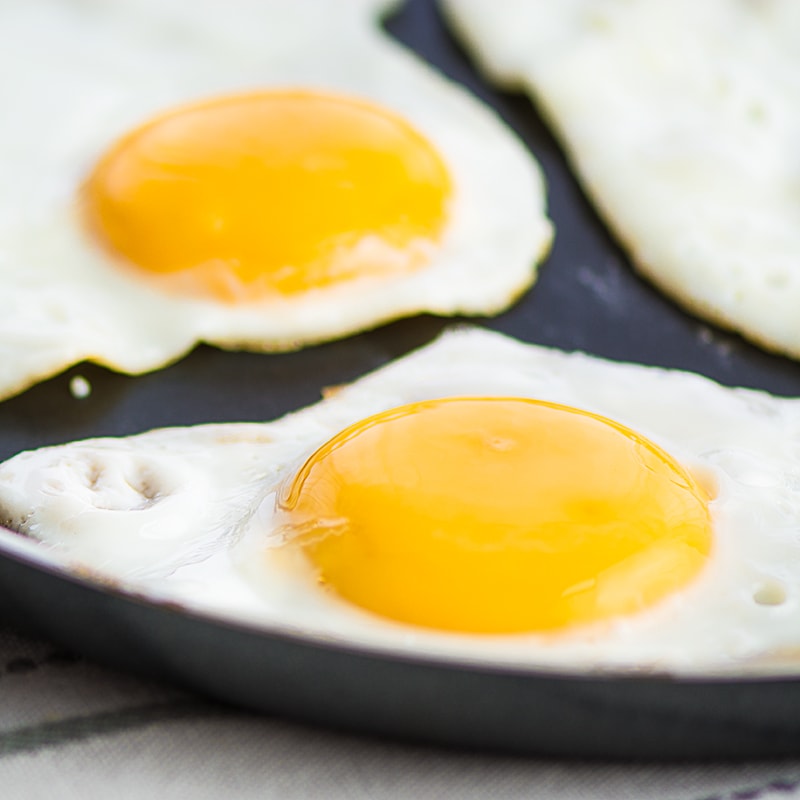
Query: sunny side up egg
(479, 499)
(261, 176)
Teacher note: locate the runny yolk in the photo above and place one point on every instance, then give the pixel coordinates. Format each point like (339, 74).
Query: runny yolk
(273, 192)
(497, 515)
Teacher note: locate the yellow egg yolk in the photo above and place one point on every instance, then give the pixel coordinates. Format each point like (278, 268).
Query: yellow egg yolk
(497, 515)
(274, 192)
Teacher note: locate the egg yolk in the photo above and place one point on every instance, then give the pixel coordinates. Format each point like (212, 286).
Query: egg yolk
(497, 515)
(269, 193)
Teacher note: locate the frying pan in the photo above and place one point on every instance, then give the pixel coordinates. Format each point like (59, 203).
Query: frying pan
(587, 298)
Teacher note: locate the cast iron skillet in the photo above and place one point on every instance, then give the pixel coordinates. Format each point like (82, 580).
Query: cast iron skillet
(587, 298)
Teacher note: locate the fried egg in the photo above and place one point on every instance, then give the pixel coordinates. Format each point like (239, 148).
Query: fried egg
(477, 500)
(261, 176)
(682, 121)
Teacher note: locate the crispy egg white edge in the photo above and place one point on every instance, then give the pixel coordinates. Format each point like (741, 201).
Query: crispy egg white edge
(62, 313)
(744, 443)
(691, 159)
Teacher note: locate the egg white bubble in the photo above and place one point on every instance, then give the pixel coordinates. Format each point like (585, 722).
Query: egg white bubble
(185, 515)
(103, 69)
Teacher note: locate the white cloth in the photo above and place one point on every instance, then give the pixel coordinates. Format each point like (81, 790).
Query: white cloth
(70, 729)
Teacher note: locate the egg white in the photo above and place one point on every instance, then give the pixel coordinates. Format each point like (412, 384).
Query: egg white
(104, 68)
(185, 515)
(682, 120)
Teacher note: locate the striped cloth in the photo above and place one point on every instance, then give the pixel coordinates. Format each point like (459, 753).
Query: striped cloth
(71, 729)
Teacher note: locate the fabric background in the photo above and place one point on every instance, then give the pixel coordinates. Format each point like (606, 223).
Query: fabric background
(71, 729)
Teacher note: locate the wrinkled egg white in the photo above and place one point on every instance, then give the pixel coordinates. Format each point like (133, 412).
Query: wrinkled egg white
(682, 121)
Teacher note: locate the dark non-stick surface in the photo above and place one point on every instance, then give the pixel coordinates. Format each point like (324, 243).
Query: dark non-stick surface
(587, 298)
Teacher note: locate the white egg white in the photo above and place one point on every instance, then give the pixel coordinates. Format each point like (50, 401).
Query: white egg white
(104, 68)
(682, 120)
(186, 515)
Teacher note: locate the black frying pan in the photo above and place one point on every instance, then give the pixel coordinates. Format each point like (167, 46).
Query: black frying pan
(587, 298)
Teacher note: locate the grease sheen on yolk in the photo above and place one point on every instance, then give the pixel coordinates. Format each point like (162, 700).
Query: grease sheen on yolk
(273, 192)
(497, 515)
